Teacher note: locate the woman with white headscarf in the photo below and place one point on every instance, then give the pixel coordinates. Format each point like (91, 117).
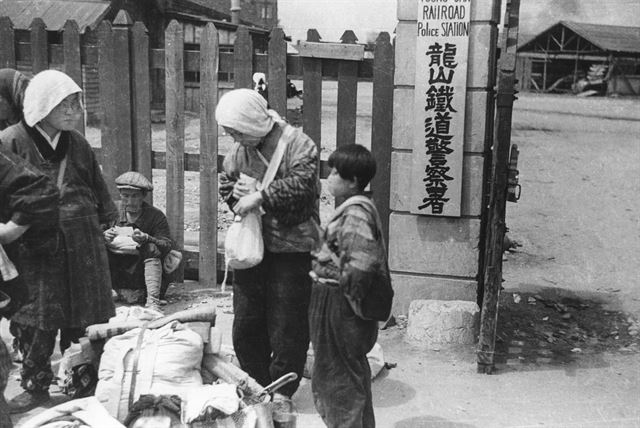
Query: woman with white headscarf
(271, 300)
(73, 288)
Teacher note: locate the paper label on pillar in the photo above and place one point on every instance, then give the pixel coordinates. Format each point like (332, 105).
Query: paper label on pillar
(440, 93)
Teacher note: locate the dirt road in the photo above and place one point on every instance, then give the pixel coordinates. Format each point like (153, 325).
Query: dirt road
(578, 217)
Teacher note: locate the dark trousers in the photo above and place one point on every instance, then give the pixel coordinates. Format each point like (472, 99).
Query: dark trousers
(37, 347)
(341, 379)
(270, 325)
(127, 271)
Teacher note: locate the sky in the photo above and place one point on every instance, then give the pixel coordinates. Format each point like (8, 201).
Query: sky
(332, 17)
(368, 17)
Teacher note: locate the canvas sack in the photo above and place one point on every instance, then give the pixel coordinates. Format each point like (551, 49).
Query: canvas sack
(169, 360)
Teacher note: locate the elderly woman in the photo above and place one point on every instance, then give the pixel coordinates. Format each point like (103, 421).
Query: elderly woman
(28, 211)
(271, 300)
(47, 139)
(12, 86)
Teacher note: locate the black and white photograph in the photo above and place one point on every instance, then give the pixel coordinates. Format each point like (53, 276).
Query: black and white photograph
(319, 213)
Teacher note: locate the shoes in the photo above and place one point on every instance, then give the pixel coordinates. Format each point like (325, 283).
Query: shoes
(154, 307)
(27, 401)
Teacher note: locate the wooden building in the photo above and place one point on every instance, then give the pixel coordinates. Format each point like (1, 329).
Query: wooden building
(155, 14)
(574, 57)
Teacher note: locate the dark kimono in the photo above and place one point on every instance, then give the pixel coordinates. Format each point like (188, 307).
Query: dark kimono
(85, 203)
(127, 271)
(27, 197)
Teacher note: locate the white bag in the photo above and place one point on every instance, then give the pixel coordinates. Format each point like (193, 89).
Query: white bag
(243, 244)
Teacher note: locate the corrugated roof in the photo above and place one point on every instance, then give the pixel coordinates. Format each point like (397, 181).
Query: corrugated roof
(611, 38)
(608, 37)
(86, 13)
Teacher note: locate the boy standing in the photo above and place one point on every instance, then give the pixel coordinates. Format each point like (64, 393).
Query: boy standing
(351, 292)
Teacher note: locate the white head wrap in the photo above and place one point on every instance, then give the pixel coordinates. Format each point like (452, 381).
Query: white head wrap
(45, 91)
(246, 111)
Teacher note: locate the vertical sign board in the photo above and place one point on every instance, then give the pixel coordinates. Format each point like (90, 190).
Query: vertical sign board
(440, 93)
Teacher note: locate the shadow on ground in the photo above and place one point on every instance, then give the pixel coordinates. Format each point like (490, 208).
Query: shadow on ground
(428, 422)
(391, 392)
(552, 327)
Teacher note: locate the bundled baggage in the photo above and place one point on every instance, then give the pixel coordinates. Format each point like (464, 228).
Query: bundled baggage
(163, 361)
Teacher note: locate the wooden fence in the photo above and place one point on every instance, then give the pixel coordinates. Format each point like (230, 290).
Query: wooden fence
(124, 61)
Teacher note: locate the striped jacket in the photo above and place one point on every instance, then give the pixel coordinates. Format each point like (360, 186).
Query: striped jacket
(353, 254)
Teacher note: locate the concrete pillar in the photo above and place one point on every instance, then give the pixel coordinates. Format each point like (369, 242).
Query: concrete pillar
(439, 257)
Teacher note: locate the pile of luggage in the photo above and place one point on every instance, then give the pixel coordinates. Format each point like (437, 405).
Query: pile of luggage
(143, 369)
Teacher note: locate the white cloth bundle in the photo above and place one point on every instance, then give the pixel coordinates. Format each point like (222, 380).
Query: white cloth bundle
(220, 396)
(8, 270)
(168, 364)
(123, 243)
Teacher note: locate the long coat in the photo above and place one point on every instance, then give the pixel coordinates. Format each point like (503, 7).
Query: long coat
(85, 203)
(28, 197)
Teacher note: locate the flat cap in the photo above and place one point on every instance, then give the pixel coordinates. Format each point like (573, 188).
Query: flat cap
(133, 180)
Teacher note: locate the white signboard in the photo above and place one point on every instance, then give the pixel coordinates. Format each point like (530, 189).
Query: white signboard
(440, 92)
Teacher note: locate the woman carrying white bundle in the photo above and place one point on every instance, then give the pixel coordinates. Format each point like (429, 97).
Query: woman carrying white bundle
(271, 327)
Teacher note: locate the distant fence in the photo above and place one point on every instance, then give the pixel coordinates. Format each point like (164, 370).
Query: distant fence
(124, 62)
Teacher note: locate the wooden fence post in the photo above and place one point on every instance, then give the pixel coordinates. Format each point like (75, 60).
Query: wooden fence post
(382, 127)
(7, 43)
(312, 94)
(347, 99)
(207, 266)
(347, 96)
(277, 75)
(141, 102)
(72, 64)
(111, 156)
(39, 53)
(243, 59)
(174, 110)
(122, 88)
